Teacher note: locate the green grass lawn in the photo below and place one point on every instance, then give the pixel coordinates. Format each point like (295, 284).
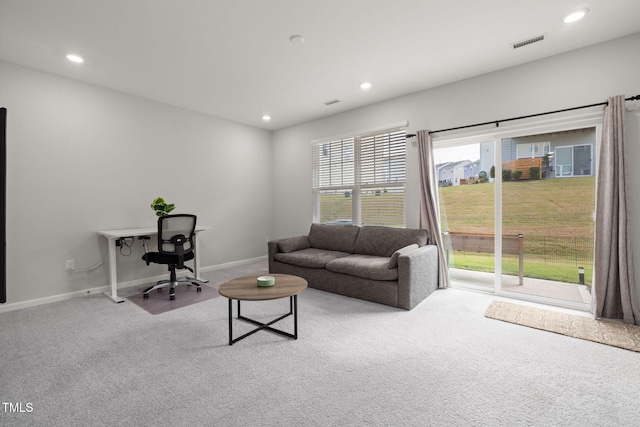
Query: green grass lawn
(554, 215)
(534, 268)
(377, 207)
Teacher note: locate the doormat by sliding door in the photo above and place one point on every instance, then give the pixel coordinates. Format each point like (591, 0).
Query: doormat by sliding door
(602, 331)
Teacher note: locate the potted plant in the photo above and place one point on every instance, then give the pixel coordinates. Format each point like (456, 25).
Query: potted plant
(161, 207)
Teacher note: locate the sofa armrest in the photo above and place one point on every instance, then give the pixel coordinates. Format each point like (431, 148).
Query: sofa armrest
(417, 275)
(292, 243)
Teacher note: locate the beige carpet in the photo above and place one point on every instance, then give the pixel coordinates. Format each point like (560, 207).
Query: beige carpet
(601, 331)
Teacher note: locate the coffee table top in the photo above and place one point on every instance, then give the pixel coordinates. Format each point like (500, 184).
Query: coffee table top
(247, 289)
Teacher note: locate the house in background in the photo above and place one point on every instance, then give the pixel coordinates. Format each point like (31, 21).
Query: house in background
(457, 173)
(486, 162)
(472, 170)
(454, 173)
(558, 155)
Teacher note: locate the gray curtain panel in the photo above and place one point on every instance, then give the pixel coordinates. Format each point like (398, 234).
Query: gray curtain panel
(429, 208)
(615, 291)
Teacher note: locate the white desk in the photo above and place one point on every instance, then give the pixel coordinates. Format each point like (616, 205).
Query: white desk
(113, 235)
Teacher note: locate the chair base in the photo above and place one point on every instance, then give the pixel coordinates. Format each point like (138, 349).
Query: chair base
(172, 293)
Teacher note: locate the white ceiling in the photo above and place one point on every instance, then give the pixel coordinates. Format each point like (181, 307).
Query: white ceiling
(233, 59)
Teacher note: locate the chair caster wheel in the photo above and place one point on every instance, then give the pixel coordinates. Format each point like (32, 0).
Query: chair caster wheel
(199, 289)
(172, 297)
(145, 296)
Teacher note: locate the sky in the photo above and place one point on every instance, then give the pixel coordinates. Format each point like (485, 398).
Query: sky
(455, 154)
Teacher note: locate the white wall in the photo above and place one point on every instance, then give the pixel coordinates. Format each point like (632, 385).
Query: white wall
(581, 77)
(82, 158)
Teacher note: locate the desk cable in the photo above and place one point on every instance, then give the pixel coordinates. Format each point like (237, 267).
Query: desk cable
(126, 242)
(86, 270)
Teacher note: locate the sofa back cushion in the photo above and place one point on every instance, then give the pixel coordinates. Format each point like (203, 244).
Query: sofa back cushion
(333, 237)
(384, 241)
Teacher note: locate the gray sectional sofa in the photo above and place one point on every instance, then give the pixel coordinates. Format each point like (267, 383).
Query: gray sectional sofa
(392, 266)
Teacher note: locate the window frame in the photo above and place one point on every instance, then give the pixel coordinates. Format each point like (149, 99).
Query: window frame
(572, 148)
(559, 123)
(394, 178)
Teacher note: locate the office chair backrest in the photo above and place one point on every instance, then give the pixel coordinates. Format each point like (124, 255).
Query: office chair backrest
(170, 226)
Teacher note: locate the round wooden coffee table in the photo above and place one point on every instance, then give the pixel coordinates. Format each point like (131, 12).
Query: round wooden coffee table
(247, 289)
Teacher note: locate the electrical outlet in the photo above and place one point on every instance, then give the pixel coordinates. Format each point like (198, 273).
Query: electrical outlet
(70, 265)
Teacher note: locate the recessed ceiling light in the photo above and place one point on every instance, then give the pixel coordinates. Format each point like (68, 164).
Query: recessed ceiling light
(576, 15)
(296, 39)
(75, 58)
(266, 117)
(365, 85)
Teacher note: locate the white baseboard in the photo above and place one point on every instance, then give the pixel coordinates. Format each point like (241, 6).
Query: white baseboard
(233, 264)
(47, 300)
(107, 288)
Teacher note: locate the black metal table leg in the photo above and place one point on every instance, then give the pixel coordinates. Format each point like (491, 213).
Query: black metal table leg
(230, 321)
(293, 310)
(295, 316)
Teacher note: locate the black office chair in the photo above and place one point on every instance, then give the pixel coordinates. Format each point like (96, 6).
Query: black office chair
(175, 246)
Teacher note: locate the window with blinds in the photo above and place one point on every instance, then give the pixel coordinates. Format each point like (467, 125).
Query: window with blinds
(531, 150)
(360, 180)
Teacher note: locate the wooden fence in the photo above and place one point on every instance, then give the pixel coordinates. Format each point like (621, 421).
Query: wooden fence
(485, 243)
(523, 165)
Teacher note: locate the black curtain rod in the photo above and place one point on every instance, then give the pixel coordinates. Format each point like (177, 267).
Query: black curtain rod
(497, 122)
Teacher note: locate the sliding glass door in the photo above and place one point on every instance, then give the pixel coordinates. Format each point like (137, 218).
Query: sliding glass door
(547, 216)
(529, 197)
(466, 192)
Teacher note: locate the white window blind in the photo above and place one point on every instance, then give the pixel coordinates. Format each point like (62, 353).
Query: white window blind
(360, 180)
(531, 150)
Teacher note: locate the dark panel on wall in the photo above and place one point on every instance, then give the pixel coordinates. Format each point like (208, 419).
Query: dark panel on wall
(3, 204)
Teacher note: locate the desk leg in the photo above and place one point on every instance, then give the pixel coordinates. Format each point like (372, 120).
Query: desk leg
(196, 262)
(113, 274)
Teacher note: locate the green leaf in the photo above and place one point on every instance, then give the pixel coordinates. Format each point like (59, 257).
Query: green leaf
(161, 207)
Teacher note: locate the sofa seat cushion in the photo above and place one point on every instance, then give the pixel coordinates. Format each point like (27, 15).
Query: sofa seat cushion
(310, 258)
(365, 266)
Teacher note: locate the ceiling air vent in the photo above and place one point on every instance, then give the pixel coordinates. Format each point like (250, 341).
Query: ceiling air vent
(528, 41)
(333, 101)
